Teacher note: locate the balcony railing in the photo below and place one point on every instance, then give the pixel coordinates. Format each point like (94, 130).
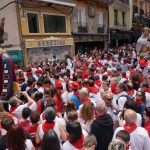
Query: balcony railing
(117, 25)
(101, 28)
(124, 26)
(82, 27)
(143, 20)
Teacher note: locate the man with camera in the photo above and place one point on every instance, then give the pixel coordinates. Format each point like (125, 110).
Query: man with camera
(21, 101)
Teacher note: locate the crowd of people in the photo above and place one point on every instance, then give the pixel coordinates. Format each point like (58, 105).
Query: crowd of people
(94, 101)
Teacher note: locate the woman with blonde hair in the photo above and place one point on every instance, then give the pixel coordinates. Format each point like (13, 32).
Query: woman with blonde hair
(86, 116)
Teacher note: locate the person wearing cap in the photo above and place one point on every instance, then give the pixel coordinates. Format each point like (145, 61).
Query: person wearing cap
(39, 76)
(63, 94)
(75, 96)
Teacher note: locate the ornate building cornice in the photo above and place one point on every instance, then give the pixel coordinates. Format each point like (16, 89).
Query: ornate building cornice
(120, 5)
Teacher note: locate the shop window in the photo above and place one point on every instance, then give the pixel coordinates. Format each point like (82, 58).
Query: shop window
(33, 22)
(54, 23)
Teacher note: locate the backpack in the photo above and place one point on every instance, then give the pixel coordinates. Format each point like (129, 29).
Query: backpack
(129, 97)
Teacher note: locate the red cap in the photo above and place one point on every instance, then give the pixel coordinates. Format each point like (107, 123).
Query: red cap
(58, 84)
(142, 63)
(39, 71)
(75, 85)
(29, 73)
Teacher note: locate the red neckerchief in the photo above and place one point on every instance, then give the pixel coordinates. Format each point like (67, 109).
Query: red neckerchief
(79, 143)
(147, 90)
(130, 91)
(24, 123)
(86, 101)
(61, 92)
(98, 83)
(93, 90)
(13, 108)
(100, 115)
(147, 124)
(32, 128)
(76, 94)
(131, 72)
(130, 127)
(128, 146)
(46, 126)
(139, 102)
(125, 77)
(43, 116)
(113, 87)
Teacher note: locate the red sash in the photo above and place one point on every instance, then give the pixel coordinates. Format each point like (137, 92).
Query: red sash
(100, 115)
(79, 143)
(13, 109)
(46, 126)
(130, 127)
(93, 90)
(139, 102)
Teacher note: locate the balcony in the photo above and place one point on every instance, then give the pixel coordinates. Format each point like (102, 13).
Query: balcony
(124, 26)
(82, 27)
(117, 25)
(101, 28)
(143, 20)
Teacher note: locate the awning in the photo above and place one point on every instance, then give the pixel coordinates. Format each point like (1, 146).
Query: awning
(55, 2)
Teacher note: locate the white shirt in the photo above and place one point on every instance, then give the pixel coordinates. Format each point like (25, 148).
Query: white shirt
(139, 139)
(19, 109)
(147, 103)
(68, 146)
(121, 100)
(138, 120)
(56, 129)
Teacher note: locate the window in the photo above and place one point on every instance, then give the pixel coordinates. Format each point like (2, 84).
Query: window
(123, 19)
(100, 19)
(82, 17)
(54, 23)
(115, 17)
(33, 22)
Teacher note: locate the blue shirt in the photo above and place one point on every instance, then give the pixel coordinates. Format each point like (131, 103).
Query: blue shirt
(75, 99)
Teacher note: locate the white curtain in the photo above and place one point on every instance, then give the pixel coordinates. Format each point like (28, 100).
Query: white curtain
(82, 16)
(100, 19)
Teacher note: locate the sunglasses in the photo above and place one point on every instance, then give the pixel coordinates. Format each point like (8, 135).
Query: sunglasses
(138, 95)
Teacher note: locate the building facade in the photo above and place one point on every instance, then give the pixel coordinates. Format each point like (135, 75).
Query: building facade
(120, 23)
(11, 37)
(42, 28)
(89, 23)
(140, 10)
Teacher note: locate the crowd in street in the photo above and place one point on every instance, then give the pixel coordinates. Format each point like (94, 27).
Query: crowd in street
(93, 101)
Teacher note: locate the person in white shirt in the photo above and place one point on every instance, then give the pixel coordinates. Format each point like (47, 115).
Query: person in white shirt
(86, 116)
(139, 138)
(30, 103)
(121, 99)
(75, 136)
(49, 123)
(129, 104)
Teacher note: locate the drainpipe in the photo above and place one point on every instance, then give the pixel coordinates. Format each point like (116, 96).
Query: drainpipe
(19, 29)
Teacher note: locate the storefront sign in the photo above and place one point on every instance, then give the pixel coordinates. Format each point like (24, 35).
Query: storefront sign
(46, 43)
